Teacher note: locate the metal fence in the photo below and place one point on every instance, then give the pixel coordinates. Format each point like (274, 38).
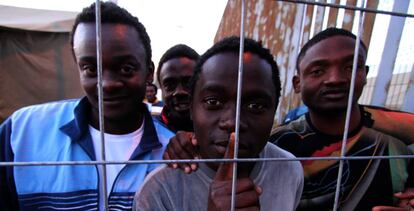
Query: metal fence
(284, 26)
(392, 86)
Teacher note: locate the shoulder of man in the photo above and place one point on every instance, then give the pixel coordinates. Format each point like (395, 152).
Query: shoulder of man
(157, 188)
(291, 169)
(40, 112)
(54, 113)
(398, 124)
(158, 177)
(273, 151)
(296, 127)
(47, 109)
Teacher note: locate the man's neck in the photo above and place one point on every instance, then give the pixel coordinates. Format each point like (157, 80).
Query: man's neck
(124, 125)
(333, 123)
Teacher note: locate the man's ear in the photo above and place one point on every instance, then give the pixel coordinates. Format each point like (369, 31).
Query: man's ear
(150, 75)
(296, 83)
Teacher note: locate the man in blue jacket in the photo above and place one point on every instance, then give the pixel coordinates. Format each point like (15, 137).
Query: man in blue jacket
(69, 130)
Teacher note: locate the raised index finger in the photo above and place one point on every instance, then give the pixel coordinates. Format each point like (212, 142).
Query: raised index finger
(225, 170)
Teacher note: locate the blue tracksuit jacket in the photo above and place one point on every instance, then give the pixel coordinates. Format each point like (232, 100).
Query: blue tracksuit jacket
(58, 131)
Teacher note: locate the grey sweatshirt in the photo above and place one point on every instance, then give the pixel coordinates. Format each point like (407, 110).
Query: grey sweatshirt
(171, 189)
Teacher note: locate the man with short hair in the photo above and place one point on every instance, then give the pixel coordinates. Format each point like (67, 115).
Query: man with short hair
(151, 95)
(260, 185)
(69, 130)
(174, 71)
(324, 68)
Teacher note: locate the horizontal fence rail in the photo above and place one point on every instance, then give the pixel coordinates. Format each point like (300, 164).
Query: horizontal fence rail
(66, 163)
(236, 160)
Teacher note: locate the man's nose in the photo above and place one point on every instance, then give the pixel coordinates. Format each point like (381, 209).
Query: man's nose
(110, 82)
(181, 89)
(228, 120)
(336, 76)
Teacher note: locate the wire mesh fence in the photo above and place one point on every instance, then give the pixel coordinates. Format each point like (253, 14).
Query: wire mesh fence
(310, 17)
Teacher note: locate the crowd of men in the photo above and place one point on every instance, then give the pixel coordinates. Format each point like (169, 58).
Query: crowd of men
(198, 120)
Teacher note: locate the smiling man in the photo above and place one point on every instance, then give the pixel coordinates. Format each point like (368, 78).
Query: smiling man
(69, 130)
(324, 69)
(261, 185)
(174, 71)
(323, 79)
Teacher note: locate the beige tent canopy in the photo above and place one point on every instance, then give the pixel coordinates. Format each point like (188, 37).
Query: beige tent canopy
(36, 64)
(36, 19)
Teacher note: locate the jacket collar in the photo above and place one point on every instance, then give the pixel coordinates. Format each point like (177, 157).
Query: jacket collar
(149, 140)
(78, 130)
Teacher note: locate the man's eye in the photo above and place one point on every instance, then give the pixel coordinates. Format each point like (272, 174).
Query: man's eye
(255, 107)
(89, 70)
(170, 86)
(127, 69)
(348, 68)
(316, 72)
(212, 103)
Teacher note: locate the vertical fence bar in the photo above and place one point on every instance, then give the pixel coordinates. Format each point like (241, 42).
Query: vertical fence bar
(369, 22)
(409, 95)
(389, 54)
(313, 20)
(407, 106)
(333, 14)
(308, 25)
(348, 20)
(302, 27)
(299, 44)
(319, 17)
(348, 110)
(239, 88)
(100, 97)
(399, 81)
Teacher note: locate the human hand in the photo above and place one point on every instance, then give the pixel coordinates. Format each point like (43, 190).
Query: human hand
(247, 193)
(406, 202)
(182, 146)
(390, 208)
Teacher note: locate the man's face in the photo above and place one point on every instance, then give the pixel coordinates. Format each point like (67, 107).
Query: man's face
(214, 105)
(124, 68)
(174, 78)
(150, 94)
(325, 74)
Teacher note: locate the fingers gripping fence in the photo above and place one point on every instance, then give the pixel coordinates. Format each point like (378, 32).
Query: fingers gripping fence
(362, 10)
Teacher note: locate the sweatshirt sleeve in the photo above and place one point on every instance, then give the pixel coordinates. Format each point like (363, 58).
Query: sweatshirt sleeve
(299, 188)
